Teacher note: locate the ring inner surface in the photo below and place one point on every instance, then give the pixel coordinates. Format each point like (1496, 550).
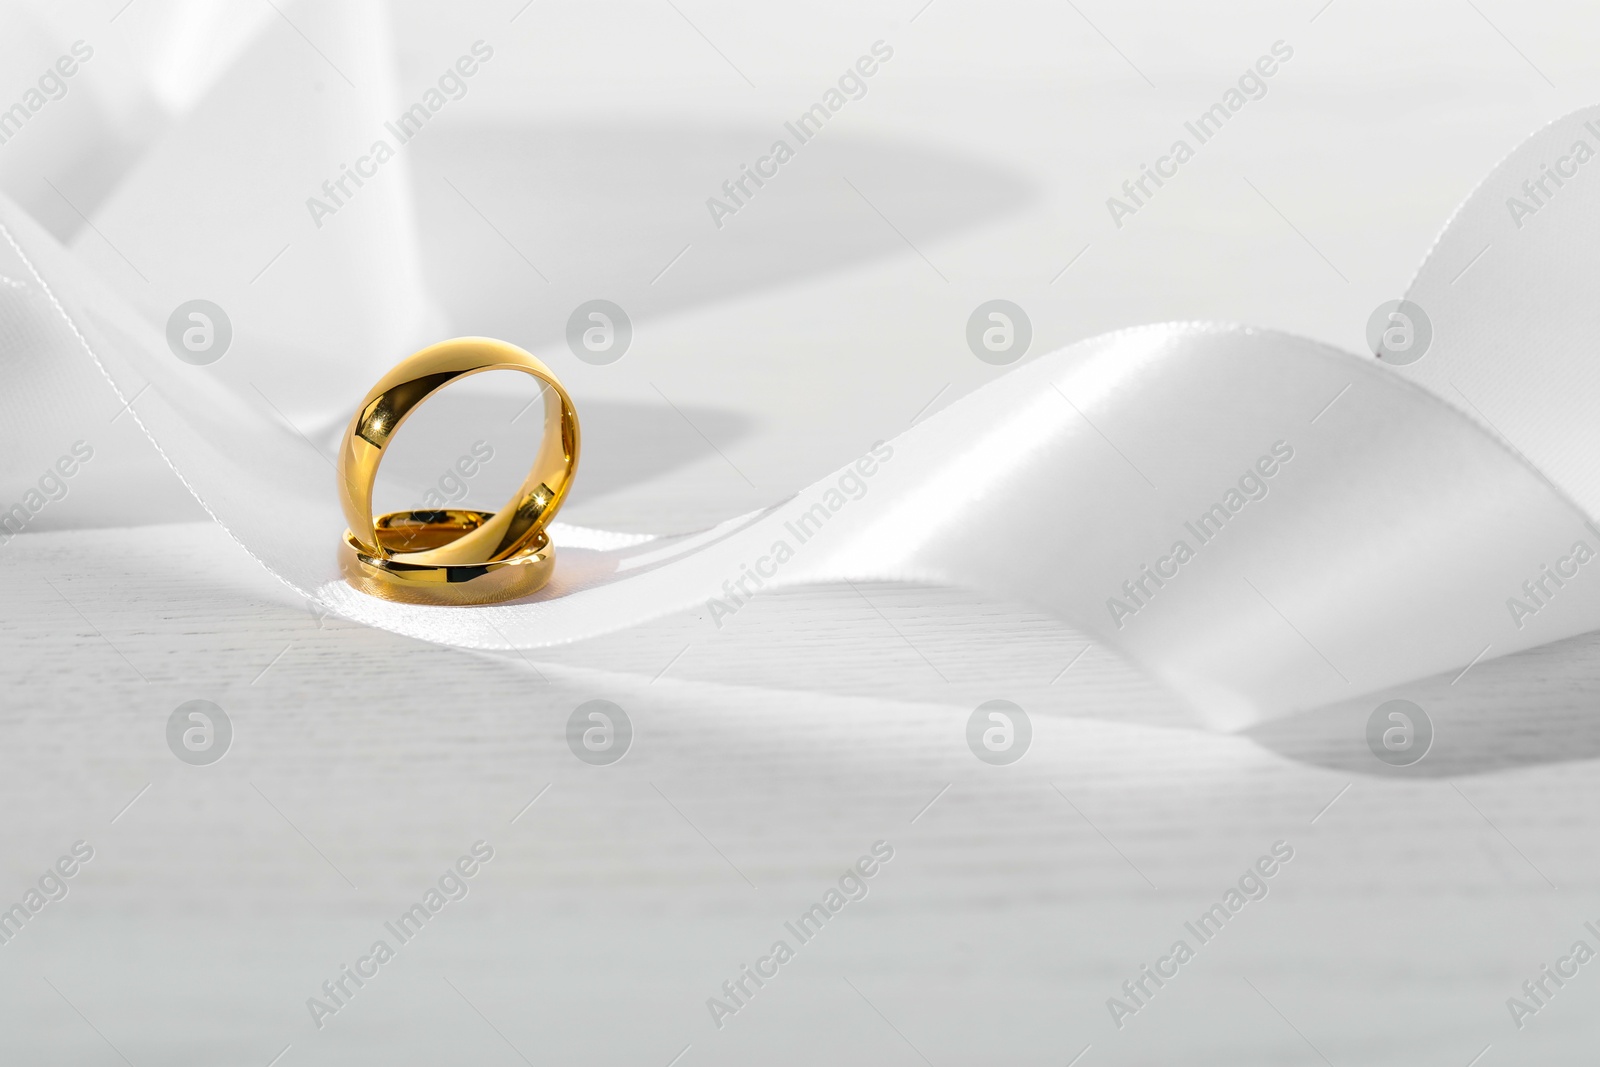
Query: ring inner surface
(425, 529)
(524, 515)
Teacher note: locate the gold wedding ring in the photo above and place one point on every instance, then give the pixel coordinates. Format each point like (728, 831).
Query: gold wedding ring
(452, 556)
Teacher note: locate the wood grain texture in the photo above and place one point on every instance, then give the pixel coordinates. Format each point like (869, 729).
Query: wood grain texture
(769, 756)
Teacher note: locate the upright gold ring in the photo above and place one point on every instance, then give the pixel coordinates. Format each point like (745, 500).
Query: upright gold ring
(452, 556)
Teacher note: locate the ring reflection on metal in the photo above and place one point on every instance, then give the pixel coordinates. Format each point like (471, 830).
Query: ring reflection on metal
(452, 556)
(385, 576)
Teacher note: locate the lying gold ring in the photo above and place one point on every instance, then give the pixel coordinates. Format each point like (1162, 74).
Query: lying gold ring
(387, 577)
(397, 550)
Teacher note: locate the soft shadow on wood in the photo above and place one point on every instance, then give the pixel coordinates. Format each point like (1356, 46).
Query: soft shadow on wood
(1529, 709)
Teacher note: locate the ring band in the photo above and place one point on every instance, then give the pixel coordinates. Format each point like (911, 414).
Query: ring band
(388, 578)
(387, 405)
(452, 556)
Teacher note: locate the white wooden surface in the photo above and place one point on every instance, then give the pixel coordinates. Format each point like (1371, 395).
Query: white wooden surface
(1014, 907)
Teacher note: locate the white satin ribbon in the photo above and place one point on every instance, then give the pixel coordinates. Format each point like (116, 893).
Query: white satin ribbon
(1264, 523)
